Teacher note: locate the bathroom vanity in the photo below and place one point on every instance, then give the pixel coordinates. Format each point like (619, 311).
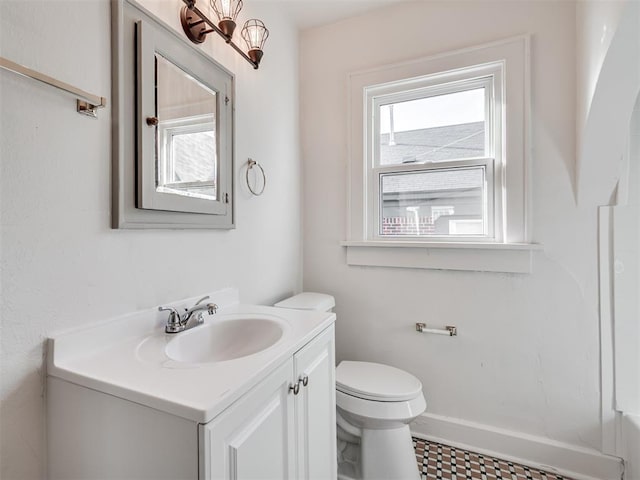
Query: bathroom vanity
(248, 394)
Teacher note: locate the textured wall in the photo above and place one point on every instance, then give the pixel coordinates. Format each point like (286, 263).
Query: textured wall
(62, 266)
(631, 439)
(527, 357)
(607, 91)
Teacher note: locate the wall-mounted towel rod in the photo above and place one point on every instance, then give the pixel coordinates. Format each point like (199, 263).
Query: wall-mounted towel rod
(87, 104)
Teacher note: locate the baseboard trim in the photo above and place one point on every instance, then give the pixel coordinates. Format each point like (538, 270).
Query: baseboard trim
(564, 459)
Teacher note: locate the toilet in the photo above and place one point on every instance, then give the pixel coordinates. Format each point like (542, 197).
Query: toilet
(375, 405)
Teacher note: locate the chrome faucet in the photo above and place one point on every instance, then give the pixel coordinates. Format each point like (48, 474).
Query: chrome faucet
(192, 317)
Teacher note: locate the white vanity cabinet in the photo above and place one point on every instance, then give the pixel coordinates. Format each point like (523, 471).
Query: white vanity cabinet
(269, 432)
(284, 428)
(315, 407)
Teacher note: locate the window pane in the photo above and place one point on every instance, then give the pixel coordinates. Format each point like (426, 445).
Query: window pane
(433, 129)
(433, 203)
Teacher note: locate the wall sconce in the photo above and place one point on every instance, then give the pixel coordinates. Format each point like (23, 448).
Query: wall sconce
(195, 23)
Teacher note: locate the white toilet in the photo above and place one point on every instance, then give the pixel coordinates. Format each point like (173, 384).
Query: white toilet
(375, 404)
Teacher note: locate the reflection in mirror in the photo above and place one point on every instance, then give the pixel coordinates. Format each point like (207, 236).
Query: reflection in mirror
(186, 140)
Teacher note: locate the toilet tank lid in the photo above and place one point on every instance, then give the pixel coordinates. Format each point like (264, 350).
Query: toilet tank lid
(309, 301)
(375, 381)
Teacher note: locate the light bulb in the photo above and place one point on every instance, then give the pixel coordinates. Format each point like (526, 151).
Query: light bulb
(227, 12)
(255, 34)
(226, 9)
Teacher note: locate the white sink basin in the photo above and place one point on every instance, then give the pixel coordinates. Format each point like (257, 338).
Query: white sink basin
(195, 374)
(223, 340)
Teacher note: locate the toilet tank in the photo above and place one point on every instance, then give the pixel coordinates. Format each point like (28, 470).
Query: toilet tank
(309, 301)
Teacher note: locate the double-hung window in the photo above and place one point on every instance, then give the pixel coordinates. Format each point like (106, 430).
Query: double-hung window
(434, 157)
(438, 161)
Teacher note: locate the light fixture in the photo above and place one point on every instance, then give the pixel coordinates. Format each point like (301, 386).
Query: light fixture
(195, 23)
(227, 12)
(255, 34)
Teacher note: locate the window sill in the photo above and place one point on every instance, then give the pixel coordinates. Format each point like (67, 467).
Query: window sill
(466, 256)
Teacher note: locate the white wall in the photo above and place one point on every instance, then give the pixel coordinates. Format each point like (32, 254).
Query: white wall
(608, 59)
(631, 440)
(626, 323)
(626, 278)
(608, 56)
(596, 23)
(527, 356)
(62, 266)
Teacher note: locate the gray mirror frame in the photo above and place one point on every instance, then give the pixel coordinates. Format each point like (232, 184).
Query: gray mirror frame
(126, 151)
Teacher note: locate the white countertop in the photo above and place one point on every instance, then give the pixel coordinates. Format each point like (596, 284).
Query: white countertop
(110, 358)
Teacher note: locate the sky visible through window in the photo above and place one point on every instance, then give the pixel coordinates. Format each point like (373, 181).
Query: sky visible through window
(437, 111)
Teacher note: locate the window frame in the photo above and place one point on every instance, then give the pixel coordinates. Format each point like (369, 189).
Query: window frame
(489, 77)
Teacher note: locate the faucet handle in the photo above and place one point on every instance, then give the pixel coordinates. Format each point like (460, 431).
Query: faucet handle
(174, 322)
(168, 309)
(174, 315)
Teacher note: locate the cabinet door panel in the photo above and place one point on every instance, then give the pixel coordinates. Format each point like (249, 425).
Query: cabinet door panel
(316, 409)
(253, 438)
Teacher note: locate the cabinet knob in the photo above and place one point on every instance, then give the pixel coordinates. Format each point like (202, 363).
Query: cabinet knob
(152, 121)
(304, 380)
(295, 388)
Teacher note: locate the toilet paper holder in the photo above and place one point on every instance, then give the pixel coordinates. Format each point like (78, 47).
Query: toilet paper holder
(449, 330)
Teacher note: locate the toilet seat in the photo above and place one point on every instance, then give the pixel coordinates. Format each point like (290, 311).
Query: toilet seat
(377, 382)
(374, 414)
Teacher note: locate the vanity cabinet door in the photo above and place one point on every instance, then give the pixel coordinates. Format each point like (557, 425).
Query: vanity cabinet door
(315, 407)
(254, 438)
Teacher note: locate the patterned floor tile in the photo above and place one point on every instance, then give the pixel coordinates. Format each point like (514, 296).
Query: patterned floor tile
(442, 462)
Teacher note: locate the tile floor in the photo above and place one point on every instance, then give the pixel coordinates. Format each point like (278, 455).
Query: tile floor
(441, 462)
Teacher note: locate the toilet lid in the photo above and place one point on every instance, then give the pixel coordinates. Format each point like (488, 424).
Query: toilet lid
(374, 381)
(309, 301)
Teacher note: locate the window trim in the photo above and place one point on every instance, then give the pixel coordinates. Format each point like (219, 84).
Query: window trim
(514, 197)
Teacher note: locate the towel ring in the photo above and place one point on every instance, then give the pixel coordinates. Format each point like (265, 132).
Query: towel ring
(250, 164)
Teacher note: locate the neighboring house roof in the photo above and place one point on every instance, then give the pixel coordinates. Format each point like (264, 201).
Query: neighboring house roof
(437, 180)
(434, 144)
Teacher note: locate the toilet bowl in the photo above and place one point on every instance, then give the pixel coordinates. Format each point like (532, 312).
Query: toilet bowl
(375, 405)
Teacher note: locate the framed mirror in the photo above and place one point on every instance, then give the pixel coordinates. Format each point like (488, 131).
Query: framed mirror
(175, 171)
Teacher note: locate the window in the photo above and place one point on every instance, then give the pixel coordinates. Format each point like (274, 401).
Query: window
(432, 143)
(438, 161)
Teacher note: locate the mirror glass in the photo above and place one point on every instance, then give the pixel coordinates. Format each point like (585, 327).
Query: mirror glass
(186, 138)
